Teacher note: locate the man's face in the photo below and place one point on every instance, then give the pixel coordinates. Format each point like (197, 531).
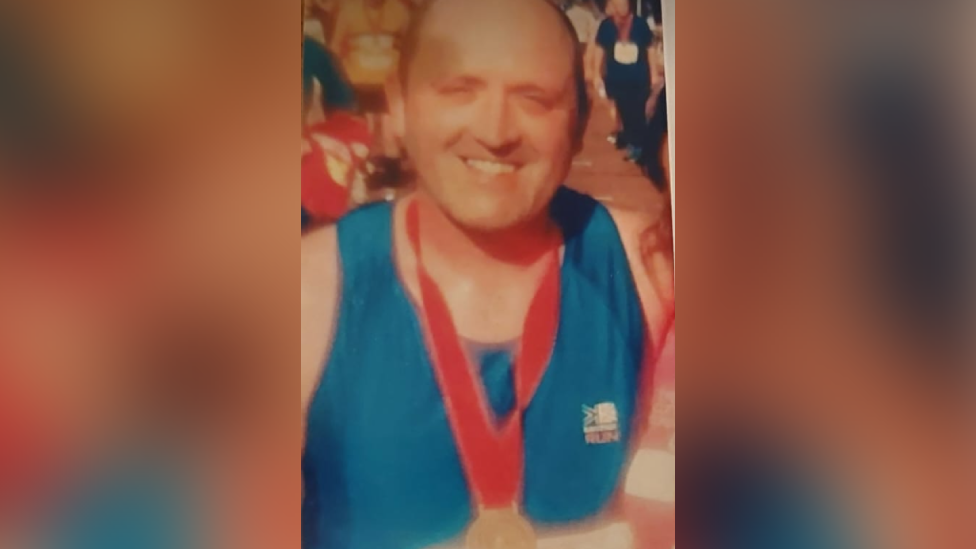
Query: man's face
(488, 112)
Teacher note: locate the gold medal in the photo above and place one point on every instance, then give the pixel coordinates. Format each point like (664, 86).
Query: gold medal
(501, 529)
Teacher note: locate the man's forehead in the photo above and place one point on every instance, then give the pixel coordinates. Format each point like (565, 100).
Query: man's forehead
(520, 35)
(541, 15)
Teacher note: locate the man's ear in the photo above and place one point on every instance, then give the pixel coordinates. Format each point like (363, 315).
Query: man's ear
(582, 122)
(396, 99)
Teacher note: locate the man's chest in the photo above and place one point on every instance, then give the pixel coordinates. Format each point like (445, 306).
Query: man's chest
(491, 316)
(385, 427)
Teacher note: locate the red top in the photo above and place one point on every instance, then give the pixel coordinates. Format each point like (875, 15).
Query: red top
(30, 456)
(337, 150)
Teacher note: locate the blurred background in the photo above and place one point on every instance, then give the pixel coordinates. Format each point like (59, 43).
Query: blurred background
(144, 307)
(824, 259)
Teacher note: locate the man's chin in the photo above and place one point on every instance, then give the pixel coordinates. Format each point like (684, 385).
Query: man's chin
(484, 213)
(485, 224)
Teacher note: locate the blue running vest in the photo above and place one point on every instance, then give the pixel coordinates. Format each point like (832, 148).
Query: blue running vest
(380, 466)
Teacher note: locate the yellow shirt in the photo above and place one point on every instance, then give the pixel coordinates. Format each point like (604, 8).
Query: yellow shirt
(367, 39)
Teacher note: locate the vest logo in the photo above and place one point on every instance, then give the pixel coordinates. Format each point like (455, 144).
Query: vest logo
(601, 423)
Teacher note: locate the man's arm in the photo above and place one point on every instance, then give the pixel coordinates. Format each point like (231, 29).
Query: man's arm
(320, 293)
(650, 253)
(648, 493)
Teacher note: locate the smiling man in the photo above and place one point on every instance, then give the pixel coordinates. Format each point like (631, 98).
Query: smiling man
(473, 355)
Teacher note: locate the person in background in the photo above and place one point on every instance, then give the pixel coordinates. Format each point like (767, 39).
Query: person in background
(333, 168)
(584, 16)
(320, 19)
(367, 39)
(652, 9)
(654, 156)
(624, 50)
(320, 66)
(328, 106)
(595, 71)
(313, 25)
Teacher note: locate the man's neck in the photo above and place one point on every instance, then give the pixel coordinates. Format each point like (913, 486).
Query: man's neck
(482, 257)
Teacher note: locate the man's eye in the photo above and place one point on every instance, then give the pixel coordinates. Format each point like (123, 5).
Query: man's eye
(539, 100)
(455, 90)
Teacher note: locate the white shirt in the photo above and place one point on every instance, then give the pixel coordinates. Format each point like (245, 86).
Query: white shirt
(313, 29)
(584, 22)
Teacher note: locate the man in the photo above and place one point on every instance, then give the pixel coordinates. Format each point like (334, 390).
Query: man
(625, 47)
(490, 262)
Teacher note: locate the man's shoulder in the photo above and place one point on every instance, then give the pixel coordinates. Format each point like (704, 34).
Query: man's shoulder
(319, 245)
(581, 215)
(362, 235)
(325, 239)
(629, 221)
(366, 216)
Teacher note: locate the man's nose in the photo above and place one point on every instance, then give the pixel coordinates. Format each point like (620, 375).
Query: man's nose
(494, 125)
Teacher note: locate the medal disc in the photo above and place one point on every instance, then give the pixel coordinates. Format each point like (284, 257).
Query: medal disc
(501, 529)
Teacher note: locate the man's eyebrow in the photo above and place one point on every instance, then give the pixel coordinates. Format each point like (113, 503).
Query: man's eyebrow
(536, 88)
(549, 89)
(458, 79)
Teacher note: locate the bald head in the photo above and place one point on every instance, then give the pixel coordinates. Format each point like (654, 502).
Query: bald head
(435, 21)
(441, 12)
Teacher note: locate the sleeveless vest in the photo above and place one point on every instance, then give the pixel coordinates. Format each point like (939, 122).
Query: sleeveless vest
(380, 467)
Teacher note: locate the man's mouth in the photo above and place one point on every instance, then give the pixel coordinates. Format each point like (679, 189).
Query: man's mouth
(490, 167)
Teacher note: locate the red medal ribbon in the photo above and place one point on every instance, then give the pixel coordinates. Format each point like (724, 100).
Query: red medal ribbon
(492, 455)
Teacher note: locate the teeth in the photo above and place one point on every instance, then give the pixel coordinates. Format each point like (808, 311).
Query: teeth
(490, 167)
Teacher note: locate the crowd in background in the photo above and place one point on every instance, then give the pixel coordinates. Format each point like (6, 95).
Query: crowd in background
(623, 50)
(352, 48)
